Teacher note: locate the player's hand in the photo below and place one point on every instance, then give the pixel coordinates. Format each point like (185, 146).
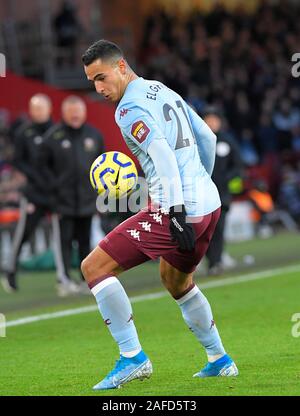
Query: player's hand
(180, 230)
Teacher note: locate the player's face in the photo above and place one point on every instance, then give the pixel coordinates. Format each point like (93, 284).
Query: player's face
(109, 78)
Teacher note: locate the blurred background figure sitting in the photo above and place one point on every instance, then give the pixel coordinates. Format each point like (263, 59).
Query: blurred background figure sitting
(36, 201)
(228, 166)
(263, 206)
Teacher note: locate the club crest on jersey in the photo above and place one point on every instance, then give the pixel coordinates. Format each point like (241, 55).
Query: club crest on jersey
(140, 131)
(123, 112)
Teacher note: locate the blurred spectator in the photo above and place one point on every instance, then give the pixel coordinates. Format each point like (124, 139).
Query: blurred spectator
(296, 138)
(16, 124)
(68, 152)
(36, 200)
(68, 30)
(228, 166)
(4, 139)
(286, 118)
(263, 206)
(267, 135)
(248, 150)
(238, 61)
(289, 193)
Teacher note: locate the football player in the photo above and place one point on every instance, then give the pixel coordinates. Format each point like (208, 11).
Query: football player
(176, 151)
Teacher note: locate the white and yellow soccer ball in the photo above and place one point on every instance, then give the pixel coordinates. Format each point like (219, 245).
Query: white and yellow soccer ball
(113, 174)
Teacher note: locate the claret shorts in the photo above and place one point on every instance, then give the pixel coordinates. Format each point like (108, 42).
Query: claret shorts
(146, 236)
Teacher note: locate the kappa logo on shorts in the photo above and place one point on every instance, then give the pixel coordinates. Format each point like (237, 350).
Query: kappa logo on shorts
(140, 131)
(157, 217)
(146, 225)
(134, 233)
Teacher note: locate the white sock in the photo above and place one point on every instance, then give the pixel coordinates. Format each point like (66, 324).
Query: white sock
(116, 312)
(130, 354)
(198, 316)
(213, 358)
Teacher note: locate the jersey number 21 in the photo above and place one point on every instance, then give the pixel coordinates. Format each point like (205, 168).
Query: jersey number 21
(181, 141)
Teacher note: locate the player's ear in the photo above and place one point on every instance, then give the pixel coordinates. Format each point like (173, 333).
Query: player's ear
(122, 65)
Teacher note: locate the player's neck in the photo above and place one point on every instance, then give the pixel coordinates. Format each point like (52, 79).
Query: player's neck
(130, 77)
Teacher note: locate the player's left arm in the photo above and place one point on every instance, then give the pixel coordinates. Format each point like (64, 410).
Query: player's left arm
(143, 130)
(206, 140)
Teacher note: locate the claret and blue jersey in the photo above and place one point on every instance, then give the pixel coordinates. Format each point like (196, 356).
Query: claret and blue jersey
(151, 111)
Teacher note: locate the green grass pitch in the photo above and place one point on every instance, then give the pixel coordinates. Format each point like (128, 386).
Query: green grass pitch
(67, 356)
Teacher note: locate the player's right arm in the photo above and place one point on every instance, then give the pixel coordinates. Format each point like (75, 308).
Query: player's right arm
(206, 140)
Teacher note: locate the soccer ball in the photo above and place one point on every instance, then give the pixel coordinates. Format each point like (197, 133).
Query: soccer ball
(113, 174)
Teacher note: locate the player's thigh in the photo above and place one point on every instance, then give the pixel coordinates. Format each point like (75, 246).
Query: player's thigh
(175, 281)
(98, 264)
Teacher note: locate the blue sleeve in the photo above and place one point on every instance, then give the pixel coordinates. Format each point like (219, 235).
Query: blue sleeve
(206, 141)
(138, 125)
(168, 173)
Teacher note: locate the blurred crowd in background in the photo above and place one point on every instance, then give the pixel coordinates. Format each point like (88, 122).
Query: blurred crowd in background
(242, 64)
(237, 63)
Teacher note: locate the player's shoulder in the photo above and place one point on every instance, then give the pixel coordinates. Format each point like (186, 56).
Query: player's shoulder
(127, 110)
(138, 98)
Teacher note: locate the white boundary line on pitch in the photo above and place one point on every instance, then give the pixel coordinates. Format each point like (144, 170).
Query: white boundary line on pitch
(217, 283)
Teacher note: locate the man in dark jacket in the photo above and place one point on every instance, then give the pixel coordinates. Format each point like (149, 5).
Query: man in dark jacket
(36, 199)
(228, 165)
(68, 152)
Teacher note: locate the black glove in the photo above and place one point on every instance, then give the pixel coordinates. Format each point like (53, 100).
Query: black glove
(180, 230)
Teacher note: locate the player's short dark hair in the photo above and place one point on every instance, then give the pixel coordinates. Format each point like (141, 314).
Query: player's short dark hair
(102, 49)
